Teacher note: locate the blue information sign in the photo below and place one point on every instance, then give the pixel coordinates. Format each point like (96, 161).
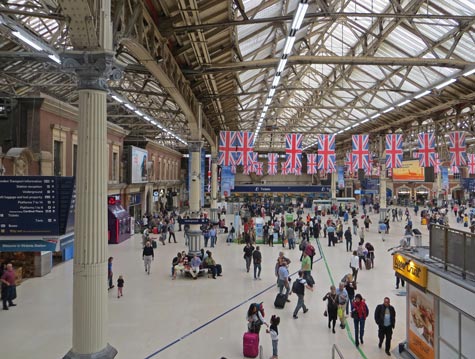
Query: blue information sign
(36, 206)
(194, 221)
(269, 189)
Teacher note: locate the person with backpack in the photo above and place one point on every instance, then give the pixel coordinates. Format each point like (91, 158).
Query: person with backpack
(248, 250)
(310, 250)
(230, 237)
(255, 317)
(299, 289)
(359, 313)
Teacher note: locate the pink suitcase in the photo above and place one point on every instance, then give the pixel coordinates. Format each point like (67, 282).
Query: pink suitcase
(250, 345)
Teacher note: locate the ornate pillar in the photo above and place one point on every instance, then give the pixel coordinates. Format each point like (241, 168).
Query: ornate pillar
(439, 190)
(214, 188)
(194, 243)
(333, 184)
(90, 302)
(382, 193)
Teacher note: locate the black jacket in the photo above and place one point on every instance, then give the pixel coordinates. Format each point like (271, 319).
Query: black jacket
(379, 315)
(147, 251)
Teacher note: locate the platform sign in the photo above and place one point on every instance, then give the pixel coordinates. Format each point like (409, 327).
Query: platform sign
(36, 206)
(194, 221)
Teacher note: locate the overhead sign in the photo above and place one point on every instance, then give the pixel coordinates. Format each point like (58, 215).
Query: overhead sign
(194, 221)
(36, 205)
(410, 270)
(138, 165)
(283, 189)
(410, 171)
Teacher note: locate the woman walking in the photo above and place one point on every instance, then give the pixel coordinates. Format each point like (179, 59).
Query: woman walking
(359, 315)
(332, 307)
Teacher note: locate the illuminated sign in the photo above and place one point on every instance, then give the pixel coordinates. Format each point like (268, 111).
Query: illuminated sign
(410, 171)
(410, 270)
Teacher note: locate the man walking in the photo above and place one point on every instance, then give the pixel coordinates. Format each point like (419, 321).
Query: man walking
(385, 317)
(299, 289)
(8, 287)
(147, 256)
(349, 240)
(171, 230)
(248, 249)
(257, 259)
(283, 278)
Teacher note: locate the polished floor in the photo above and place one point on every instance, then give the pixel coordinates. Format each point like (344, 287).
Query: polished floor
(162, 318)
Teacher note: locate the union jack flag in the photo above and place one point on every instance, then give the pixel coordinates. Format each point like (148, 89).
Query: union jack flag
(390, 172)
(293, 149)
(326, 152)
(360, 151)
(471, 163)
(298, 171)
(209, 175)
(349, 164)
(311, 163)
(272, 159)
(226, 147)
(253, 160)
(437, 163)
(393, 151)
(285, 168)
(455, 170)
(368, 171)
(233, 169)
(457, 148)
(258, 168)
(244, 147)
(323, 174)
(426, 149)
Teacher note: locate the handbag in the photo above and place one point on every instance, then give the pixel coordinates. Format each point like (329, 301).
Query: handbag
(325, 313)
(340, 312)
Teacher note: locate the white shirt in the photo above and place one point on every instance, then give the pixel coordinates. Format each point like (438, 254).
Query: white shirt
(354, 262)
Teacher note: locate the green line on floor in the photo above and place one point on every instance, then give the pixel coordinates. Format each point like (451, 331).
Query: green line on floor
(348, 331)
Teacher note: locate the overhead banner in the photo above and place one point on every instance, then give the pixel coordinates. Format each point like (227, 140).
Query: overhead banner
(341, 177)
(227, 181)
(410, 171)
(444, 171)
(138, 165)
(422, 319)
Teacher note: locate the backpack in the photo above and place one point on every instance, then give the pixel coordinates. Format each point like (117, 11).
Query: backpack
(310, 250)
(298, 288)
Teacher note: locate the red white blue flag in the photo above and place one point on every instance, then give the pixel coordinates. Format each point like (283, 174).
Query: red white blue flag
(293, 150)
(227, 147)
(326, 152)
(311, 163)
(457, 148)
(437, 163)
(272, 159)
(253, 164)
(244, 147)
(285, 168)
(394, 151)
(349, 164)
(360, 151)
(471, 163)
(426, 149)
(455, 169)
(258, 169)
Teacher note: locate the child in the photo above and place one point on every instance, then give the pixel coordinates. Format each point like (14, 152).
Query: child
(120, 285)
(274, 334)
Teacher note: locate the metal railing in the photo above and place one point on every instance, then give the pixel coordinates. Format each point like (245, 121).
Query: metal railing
(336, 351)
(454, 248)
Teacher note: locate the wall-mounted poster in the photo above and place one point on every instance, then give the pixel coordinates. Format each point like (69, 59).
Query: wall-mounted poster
(410, 171)
(421, 321)
(138, 165)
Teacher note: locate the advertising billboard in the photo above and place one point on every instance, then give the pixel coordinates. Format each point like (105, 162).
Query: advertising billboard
(410, 171)
(138, 165)
(421, 327)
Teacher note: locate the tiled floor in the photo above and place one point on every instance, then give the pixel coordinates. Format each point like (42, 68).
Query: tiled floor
(161, 318)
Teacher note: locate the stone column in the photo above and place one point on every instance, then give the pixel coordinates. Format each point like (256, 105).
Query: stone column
(90, 302)
(194, 243)
(439, 189)
(333, 184)
(214, 189)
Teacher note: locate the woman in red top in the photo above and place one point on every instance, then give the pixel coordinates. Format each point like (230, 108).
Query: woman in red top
(359, 314)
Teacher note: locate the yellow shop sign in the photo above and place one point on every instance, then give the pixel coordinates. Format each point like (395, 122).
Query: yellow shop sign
(411, 270)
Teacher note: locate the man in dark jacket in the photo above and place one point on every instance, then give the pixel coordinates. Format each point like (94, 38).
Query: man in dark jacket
(349, 240)
(248, 249)
(257, 259)
(385, 317)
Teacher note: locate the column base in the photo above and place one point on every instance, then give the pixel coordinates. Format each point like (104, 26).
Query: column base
(194, 241)
(108, 352)
(213, 215)
(382, 214)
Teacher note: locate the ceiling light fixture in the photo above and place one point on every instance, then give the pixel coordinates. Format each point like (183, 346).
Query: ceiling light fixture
(422, 94)
(288, 45)
(281, 66)
(27, 40)
(55, 58)
(404, 103)
(271, 92)
(375, 116)
(388, 109)
(445, 83)
(276, 81)
(299, 15)
(469, 72)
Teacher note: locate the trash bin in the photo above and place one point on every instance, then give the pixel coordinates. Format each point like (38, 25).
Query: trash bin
(417, 237)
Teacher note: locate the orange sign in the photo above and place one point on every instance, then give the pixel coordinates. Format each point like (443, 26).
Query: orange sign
(410, 171)
(421, 323)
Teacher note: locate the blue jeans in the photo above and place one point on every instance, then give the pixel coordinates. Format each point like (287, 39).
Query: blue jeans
(359, 330)
(213, 241)
(281, 285)
(275, 344)
(257, 269)
(300, 304)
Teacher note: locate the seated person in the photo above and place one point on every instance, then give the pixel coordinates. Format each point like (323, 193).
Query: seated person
(175, 261)
(195, 266)
(210, 263)
(179, 266)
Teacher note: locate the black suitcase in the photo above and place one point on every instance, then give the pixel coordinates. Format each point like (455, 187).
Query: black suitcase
(154, 243)
(416, 232)
(280, 301)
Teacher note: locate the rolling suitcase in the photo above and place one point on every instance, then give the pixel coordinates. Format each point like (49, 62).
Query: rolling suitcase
(280, 301)
(154, 243)
(250, 345)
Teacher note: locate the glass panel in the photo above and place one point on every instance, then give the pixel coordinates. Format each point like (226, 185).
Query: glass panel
(468, 329)
(456, 249)
(446, 352)
(57, 157)
(449, 326)
(470, 254)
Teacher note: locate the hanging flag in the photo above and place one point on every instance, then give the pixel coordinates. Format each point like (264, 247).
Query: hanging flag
(390, 172)
(285, 168)
(349, 163)
(253, 160)
(326, 152)
(209, 174)
(360, 153)
(455, 170)
(244, 147)
(426, 149)
(394, 151)
(368, 170)
(437, 163)
(457, 148)
(311, 163)
(226, 147)
(471, 163)
(272, 160)
(258, 168)
(293, 150)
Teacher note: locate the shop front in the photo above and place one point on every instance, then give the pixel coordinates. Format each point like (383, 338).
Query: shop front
(135, 205)
(403, 196)
(422, 195)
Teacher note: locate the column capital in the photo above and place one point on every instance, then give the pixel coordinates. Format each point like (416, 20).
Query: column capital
(93, 68)
(214, 158)
(195, 146)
